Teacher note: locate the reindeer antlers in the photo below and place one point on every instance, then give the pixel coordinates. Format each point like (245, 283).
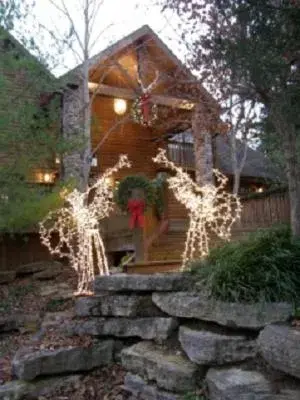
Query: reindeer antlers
(150, 87)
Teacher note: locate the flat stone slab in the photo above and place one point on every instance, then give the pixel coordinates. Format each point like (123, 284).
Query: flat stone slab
(234, 315)
(287, 394)
(135, 385)
(157, 328)
(28, 365)
(142, 283)
(35, 267)
(280, 347)
(18, 390)
(117, 305)
(170, 371)
(23, 323)
(209, 348)
(49, 273)
(7, 276)
(237, 384)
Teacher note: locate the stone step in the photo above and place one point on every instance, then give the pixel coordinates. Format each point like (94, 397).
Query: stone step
(140, 389)
(280, 347)
(170, 371)
(7, 276)
(117, 305)
(29, 364)
(208, 348)
(157, 328)
(237, 384)
(233, 315)
(141, 283)
(20, 390)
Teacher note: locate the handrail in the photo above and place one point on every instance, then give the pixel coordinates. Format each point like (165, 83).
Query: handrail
(160, 230)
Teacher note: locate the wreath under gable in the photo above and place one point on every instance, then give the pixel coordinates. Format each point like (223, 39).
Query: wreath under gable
(135, 194)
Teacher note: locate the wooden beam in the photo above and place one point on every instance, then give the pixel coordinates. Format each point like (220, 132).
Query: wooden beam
(112, 91)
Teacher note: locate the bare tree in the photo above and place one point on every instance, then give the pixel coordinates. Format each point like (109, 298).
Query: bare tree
(77, 98)
(241, 116)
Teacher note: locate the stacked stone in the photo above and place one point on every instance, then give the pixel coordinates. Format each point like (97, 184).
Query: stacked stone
(123, 308)
(210, 340)
(174, 339)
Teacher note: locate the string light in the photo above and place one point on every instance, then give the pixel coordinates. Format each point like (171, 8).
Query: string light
(212, 209)
(77, 227)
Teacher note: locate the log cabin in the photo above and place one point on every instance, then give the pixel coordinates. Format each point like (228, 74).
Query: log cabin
(184, 121)
(144, 98)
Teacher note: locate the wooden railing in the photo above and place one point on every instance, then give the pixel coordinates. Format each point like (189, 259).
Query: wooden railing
(181, 154)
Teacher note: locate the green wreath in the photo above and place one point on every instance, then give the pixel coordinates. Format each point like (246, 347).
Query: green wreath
(124, 190)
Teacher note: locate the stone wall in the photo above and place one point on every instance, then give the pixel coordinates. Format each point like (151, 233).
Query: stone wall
(184, 341)
(174, 342)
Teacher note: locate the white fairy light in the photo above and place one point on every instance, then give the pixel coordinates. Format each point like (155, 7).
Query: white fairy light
(77, 227)
(212, 209)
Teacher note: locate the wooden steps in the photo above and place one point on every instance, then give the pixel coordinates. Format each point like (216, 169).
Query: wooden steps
(152, 267)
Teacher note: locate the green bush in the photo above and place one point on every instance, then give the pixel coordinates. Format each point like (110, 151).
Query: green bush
(263, 267)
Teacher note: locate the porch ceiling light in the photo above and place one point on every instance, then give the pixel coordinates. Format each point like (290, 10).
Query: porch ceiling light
(120, 106)
(47, 177)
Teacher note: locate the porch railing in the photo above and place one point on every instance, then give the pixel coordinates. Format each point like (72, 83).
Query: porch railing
(181, 154)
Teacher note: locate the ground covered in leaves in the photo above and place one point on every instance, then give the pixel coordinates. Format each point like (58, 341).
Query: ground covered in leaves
(39, 307)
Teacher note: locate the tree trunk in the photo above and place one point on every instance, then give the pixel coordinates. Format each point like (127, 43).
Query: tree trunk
(72, 131)
(203, 151)
(293, 176)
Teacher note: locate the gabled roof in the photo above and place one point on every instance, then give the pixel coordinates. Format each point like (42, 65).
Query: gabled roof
(257, 165)
(70, 77)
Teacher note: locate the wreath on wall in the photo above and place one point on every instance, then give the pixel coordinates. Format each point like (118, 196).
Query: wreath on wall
(143, 111)
(135, 205)
(152, 195)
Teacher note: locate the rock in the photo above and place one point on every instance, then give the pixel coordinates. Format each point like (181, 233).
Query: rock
(117, 305)
(38, 266)
(139, 388)
(237, 384)
(145, 328)
(287, 394)
(234, 315)
(7, 276)
(17, 390)
(14, 390)
(49, 273)
(208, 348)
(23, 323)
(27, 365)
(59, 291)
(280, 347)
(142, 283)
(170, 371)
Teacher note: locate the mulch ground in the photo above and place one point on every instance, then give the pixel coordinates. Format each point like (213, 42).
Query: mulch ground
(22, 297)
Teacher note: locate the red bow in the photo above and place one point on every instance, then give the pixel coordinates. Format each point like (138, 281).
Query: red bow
(146, 107)
(136, 209)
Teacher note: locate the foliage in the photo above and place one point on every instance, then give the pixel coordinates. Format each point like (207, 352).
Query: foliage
(124, 190)
(263, 267)
(250, 49)
(29, 126)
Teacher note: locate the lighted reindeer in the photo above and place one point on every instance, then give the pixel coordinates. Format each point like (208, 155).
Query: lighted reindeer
(211, 208)
(77, 227)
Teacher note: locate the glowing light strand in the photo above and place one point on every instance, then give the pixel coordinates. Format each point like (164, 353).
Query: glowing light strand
(211, 209)
(77, 227)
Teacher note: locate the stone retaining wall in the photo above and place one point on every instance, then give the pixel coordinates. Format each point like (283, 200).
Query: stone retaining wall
(185, 340)
(174, 341)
